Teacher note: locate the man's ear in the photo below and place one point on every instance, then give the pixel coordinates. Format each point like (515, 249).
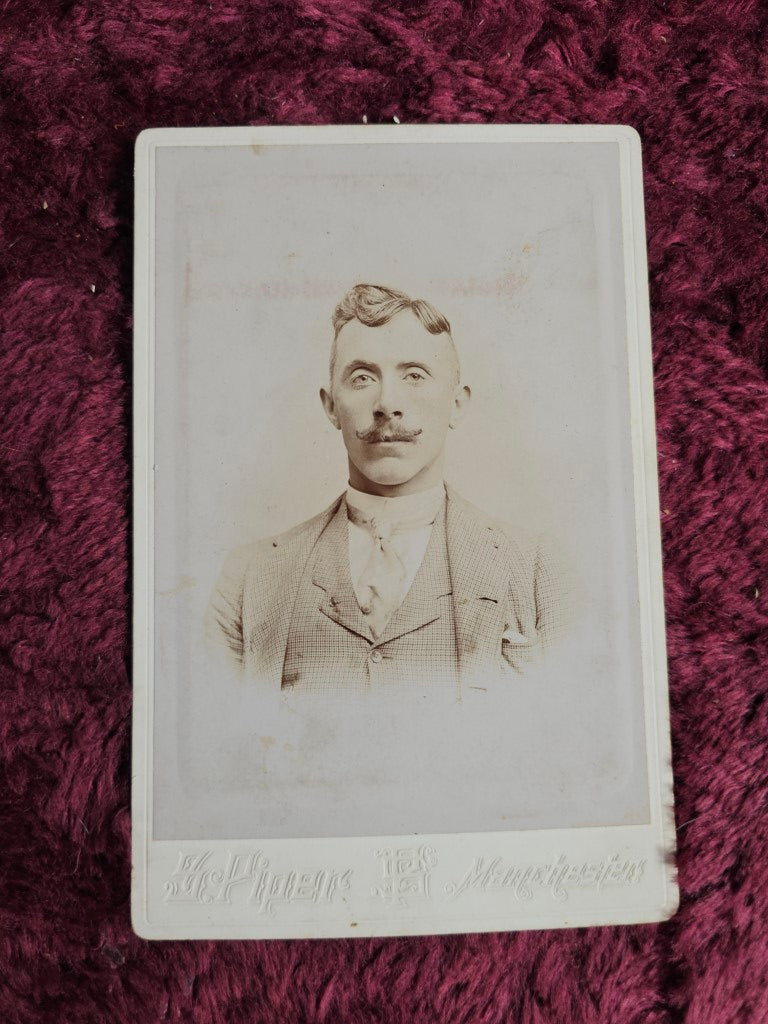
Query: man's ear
(460, 402)
(330, 409)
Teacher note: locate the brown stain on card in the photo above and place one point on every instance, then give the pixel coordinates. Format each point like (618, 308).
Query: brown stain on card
(185, 583)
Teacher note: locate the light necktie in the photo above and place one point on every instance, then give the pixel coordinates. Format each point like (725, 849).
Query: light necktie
(381, 584)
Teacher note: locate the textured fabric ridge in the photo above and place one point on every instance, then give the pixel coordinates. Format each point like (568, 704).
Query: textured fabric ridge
(78, 81)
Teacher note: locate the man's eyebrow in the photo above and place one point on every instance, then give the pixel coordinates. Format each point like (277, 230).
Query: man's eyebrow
(414, 362)
(360, 364)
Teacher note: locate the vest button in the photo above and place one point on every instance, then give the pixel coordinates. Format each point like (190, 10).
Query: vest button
(376, 656)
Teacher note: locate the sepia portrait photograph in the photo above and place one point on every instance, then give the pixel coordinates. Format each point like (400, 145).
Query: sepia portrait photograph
(399, 652)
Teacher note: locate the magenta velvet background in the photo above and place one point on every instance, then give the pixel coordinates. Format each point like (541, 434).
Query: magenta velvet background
(78, 81)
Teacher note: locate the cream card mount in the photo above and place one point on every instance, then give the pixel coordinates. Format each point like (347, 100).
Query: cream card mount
(399, 659)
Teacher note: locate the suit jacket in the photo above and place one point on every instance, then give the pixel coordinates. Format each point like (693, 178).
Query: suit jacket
(509, 597)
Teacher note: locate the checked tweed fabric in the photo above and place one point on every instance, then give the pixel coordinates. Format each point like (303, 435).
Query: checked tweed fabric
(331, 646)
(509, 601)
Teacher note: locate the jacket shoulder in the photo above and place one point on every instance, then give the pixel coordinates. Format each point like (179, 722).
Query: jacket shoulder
(252, 566)
(519, 535)
(248, 556)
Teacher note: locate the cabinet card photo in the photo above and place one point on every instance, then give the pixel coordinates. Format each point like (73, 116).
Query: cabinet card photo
(399, 660)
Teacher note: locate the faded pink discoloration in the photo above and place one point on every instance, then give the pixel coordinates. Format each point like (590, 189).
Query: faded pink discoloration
(79, 81)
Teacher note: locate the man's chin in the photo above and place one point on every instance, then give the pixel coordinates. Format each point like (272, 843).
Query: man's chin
(389, 472)
(393, 479)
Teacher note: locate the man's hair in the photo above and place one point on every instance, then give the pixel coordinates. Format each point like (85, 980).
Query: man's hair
(375, 305)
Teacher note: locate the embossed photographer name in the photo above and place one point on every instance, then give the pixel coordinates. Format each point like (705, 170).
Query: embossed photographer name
(558, 877)
(247, 878)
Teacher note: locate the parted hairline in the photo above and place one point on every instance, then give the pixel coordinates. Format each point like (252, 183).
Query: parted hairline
(375, 304)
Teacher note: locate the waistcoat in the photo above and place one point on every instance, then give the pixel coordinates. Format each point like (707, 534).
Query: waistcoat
(330, 647)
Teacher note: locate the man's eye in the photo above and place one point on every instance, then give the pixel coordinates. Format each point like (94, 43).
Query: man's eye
(360, 378)
(415, 375)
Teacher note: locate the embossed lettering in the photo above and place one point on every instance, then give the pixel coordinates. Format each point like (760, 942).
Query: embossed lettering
(557, 877)
(196, 880)
(406, 875)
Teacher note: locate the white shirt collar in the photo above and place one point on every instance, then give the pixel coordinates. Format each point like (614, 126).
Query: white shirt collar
(404, 506)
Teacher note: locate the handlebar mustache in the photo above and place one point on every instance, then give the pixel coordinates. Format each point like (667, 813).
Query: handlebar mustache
(374, 434)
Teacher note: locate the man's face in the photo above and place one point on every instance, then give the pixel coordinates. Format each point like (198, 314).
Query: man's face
(394, 394)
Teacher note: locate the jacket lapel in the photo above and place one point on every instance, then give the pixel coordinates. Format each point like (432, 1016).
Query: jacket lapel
(479, 565)
(331, 574)
(272, 594)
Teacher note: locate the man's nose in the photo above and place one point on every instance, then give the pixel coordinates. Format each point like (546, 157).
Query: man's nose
(388, 402)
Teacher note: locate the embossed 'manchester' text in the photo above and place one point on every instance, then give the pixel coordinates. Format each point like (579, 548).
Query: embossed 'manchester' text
(556, 878)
